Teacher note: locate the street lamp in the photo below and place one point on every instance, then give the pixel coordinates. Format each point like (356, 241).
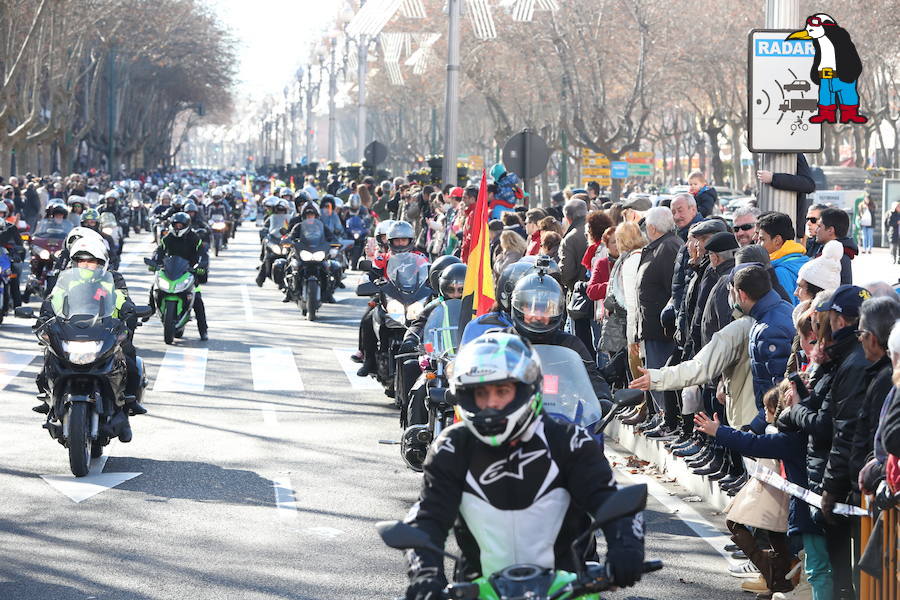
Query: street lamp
(332, 92)
(284, 155)
(311, 88)
(362, 53)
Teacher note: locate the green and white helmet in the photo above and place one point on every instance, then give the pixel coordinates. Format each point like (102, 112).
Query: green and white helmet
(497, 358)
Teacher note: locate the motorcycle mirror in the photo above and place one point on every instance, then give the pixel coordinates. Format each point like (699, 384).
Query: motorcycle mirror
(623, 502)
(364, 265)
(143, 311)
(149, 262)
(24, 312)
(626, 398)
(366, 288)
(402, 536)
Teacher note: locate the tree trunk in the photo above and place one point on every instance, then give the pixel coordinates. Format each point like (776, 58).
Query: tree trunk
(736, 152)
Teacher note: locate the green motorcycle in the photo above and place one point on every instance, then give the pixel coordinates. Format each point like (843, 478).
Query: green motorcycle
(532, 581)
(172, 294)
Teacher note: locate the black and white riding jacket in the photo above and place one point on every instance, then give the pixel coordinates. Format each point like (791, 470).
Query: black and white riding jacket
(517, 503)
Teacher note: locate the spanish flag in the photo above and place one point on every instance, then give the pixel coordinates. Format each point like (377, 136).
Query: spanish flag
(478, 291)
(293, 189)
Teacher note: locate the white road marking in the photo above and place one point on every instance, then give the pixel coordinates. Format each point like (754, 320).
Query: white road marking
(274, 368)
(182, 370)
(270, 417)
(248, 307)
(679, 508)
(12, 363)
(79, 489)
(350, 368)
(326, 533)
(284, 498)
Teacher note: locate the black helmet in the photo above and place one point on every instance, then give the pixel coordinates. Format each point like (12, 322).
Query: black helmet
(398, 231)
(57, 208)
(178, 201)
(439, 264)
(190, 206)
(538, 306)
(183, 219)
(282, 207)
(508, 279)
(452, 280)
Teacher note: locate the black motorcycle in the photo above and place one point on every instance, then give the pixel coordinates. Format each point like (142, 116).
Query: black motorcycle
(401, 296)
(306, 276)
(440, 340)
(138, 214)
(84, 364)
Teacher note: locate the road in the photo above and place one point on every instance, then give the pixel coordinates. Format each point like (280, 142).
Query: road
(258, 473)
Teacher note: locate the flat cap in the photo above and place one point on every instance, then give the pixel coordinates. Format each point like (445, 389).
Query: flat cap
(721, 242)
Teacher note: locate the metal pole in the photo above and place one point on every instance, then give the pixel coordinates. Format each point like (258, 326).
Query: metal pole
(780, 14)
(111, 111)
(361, 67)
(332, 118)
(451, 104)
(433, 130)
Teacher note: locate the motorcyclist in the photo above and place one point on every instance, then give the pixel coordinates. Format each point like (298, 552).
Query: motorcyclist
(11, 239)
(281, 207)
(514, 484)
(110, 203)
(91, 219)
(376, 272)
(77, 205)
(89, 254)
(219, 207)
(311, 232)
(268, 206)
(183, 241)
(538, 314)
(399, 239)
(165, 203)
(330, 218)
(198, 224)
(450, 286)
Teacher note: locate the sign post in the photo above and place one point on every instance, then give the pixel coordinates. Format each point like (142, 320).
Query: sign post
(526, 154)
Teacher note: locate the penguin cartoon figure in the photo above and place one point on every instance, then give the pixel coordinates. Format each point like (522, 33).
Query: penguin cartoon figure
(836, 68)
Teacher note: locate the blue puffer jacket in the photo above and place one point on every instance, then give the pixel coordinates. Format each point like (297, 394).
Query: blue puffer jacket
(790, 448)
(770, 346)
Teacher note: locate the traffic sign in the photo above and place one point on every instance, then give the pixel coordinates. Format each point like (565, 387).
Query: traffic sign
(526, 154)
(639, 157)
(595, 171)
(619, 170)
(640, 170)
(781, 98)
(375, 153)
(601, 181)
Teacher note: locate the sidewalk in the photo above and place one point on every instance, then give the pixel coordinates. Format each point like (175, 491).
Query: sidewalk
(868, 268)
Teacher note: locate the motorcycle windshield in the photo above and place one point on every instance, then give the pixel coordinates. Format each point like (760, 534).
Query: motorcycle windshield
(442, 329)
(108, 219)
(174, 267)
(50, 229)
(217, 218)
(408, 271)
(84, 294)
(313, 232)
(567, 389)
(277, 223)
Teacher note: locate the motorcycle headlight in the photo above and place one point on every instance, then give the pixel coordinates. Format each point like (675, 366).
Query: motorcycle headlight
(396, 310)
(180, 286)
(82, 353)
(355, 236)
(218, 226)
(108, 230)
(320, 255)
(275, 248)
(306, 255)
(414, 309)
(44, 254)
(333, 252)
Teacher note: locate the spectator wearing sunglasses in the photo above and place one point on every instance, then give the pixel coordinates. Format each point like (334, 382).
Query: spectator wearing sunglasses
(744, 223)
(813, 245)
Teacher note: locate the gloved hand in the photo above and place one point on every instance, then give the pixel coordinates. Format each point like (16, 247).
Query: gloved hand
(426, 587)
(828, 502)
(667, 320)
(407, 347)
(199, 271)
(625, 566)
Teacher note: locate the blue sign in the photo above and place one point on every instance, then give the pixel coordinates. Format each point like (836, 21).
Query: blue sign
(774, 47)
(619, 170)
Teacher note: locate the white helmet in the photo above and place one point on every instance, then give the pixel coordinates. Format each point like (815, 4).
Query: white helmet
(93, 247)
(79, 233)
(383, 227)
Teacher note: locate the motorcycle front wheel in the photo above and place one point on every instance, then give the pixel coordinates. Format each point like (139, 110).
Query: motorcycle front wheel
(79, 442)
(169, 322)
(312, 293)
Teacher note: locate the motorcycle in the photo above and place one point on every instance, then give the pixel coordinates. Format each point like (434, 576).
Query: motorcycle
(172, 294)
(237, 212)
(138, 218)
(159, 226)
(532, 581)
(46, 243)
(84, 364)
(440, 340)
(358, 231)
(306, 276)
(219, 231)
(401, 296)
(274, 247)
(6, 273)
(110, 226)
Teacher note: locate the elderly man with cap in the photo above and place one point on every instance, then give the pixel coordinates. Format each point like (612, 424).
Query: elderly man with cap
(720, 248)
(684, 213)
(634, 208)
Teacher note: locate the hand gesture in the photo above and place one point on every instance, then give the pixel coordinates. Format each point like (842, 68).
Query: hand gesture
(704, 424)
(642, 382)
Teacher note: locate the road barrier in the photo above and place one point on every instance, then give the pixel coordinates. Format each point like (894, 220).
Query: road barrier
(886, 587)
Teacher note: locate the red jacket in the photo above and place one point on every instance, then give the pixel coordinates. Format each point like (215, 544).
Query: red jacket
(596, 288)
(534, 244)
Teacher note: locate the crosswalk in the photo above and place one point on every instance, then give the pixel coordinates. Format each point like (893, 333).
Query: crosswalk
(186, 369)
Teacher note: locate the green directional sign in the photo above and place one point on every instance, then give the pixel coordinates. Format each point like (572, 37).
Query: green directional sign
(640, 170)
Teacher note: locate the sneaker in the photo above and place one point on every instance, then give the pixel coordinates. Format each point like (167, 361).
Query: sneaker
(732, 548)
(204, 336)
(357, 357)
(744, 570)
(756, 586)
(42, 408)
(691, 450)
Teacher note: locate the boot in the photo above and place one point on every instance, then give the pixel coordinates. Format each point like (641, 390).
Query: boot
(133, 407)
(744, 540)
(850, 114)
(781, 561)
(638, 418)
(827, 114)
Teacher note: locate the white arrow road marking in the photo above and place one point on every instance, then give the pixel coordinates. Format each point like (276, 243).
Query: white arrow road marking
(12, 363)
(284, 498)
(274, 368)
(182, 370)
(358, 383)
(79, 489)
(248, 307)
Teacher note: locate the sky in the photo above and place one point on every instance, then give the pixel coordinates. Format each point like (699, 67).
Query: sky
(274, 37)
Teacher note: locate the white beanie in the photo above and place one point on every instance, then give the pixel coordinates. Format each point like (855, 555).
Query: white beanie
(824, 271)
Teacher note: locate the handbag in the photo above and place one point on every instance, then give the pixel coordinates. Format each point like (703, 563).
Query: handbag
(579, 305)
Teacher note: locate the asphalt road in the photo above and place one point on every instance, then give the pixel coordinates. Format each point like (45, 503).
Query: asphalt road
(259, 469)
